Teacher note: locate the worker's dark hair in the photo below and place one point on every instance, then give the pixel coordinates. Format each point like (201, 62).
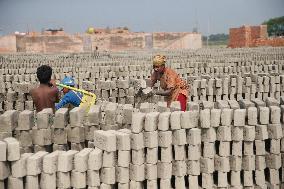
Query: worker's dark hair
(44, 73)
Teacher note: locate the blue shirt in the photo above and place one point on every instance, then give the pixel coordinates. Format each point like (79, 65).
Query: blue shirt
(71, 97)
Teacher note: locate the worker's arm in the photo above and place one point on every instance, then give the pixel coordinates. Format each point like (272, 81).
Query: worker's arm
(153, 79)
(65, 100)
(163, 92)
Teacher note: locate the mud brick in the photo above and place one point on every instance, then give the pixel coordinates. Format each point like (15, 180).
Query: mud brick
(248, 178)
(248, 148)
(237, 133)
(123, 158)
(274, 131)
(222, 163)
(78, 179)
(235, 178)
(222, 179)
(137, 141)
(151, 121)
(18, 168)
(179, 152)
(26, 120)
(137, 172)
(32, 181)
(261, 132)
(41, 136)
(259, 178)
(175, 106)
(3, 149)
(47, 181)
(164, 170)
(226, 117)
(151, 139)
(224, 133)
(60, 147)
(275, 114)
(205, 118)
(49, 162)
(193, 116)
(215, 118)
(252, 116)
(14, 183)
(164, 121)
(95, 159)
(59, 136)
(4, 135)
(9, 120)
(193, 167)
(77, 117)
(248, 163)
(93, 178)
(13, 149)
(239, 117)
(194, 152)
(249, 133)
(263, 115)
(193, 182)
(94, 115)
(122, 174)
(34, 163)
(105, 140)
(224, 149)
(44, 118)
(81, 160)
(65, 161)
(260, 163)
(274, 146)
(151, 172)
(61, 118)
(137, 157)
(259, 147)
(179, 137)
(222, 104)
(235, 163)
(208, 150)
(206, 165)
(166, 154)
(179, 168)
(152, 155)
(193, 136)
(24, 137)
(138, 121)
(273, 161)
(109, 159)
(4, 170)
(208, 135)
(175, 120)
(207, 180)
(75, 134)
(165, 138)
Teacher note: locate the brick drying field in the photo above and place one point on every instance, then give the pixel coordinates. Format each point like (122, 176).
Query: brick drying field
(231, 136)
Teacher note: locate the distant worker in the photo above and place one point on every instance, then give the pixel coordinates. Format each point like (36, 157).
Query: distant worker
(70, 96)
(173, 87)
(46, 94)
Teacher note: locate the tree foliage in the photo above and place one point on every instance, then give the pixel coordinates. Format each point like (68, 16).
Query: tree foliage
(275, 26)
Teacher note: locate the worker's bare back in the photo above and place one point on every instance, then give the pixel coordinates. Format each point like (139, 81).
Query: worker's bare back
(44, 96)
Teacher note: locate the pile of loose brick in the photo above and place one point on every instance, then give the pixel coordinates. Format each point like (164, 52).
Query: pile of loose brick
(223, 144)
(214, 74)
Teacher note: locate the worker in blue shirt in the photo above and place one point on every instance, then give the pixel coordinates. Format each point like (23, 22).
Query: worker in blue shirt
(70, 96)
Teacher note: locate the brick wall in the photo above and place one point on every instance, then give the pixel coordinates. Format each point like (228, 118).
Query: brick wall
(252, 36)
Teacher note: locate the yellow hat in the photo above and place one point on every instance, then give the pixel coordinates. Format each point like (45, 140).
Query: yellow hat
(159, 60)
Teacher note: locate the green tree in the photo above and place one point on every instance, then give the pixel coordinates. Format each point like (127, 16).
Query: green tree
(275, 26)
